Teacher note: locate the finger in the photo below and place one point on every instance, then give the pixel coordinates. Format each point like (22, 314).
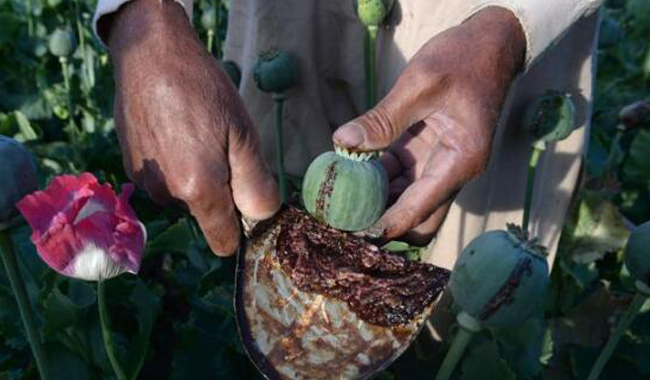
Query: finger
(255, 191)
(414, 97)
(425, 195)
(392, 164)
(215, 212)
(153, 180)
(423, 234)
(397, 186)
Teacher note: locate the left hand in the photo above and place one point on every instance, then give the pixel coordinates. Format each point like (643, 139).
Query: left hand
(437, 121)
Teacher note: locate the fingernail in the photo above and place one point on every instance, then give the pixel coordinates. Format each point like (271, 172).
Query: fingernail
(349, 135)
(375, 232)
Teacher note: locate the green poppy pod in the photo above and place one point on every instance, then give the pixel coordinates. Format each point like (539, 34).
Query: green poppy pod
(347, 191)
(500, 278)
(17, 175)
(551, 117)
(373, 12)
(637, 253)
(275, 71)
(62, 43)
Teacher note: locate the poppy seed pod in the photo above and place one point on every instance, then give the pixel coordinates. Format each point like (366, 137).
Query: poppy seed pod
(637, 253)
(275, 71)
(373, 12)
(635, 115)
(17, 175)
(62, 43)
(551, 117)
(500, 277)
(209, 19)
(347, 191)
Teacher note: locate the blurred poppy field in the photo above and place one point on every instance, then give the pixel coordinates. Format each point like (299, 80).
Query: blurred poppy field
(175, 319)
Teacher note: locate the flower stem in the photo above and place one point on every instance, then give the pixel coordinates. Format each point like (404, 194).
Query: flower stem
(10, 263)
(66, 82)
(279, 146)
(82, 43)
(614, 148)
(538, 149)
(468, 327)
(621, 327)
(371, 66)
(210, 40)
(109, 344)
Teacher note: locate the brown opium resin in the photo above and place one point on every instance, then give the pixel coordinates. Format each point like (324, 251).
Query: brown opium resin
(382, 288)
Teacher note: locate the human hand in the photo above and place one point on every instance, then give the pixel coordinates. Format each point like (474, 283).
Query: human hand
(185, 135)
(437, 121)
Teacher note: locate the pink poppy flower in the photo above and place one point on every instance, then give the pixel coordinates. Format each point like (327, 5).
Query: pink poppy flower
(83, 230)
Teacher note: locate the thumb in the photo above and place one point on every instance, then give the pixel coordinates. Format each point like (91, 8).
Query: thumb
(415, 95)
(375, 130)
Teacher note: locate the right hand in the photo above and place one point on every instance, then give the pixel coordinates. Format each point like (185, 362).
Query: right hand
(185, 135)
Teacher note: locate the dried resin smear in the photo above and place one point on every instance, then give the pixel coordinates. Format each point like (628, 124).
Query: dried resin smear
(316, 303)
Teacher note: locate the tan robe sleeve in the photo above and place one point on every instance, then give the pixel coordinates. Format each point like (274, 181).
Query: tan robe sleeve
(105, 7)
(544, 21)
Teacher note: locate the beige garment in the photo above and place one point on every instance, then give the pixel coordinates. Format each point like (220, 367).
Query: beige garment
(326, 39)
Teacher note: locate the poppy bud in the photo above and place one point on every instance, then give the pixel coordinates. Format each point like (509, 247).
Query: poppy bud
(373, 12)
(635, 115)
(62, 43)
(275, 71)
(551, 117)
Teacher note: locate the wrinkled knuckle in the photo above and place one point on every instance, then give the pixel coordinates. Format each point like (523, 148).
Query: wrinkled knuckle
(475, 157)
(190, 190)
(380, 124)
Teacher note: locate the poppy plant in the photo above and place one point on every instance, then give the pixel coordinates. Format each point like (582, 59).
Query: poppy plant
(82, 229)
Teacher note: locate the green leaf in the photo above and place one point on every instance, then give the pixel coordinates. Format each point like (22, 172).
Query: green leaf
(177, 238)
(636, 166)
(410, 252)
(590, 322)
(62, 310)
(65, 365)
(484, 363)
(11, 23)
(522, 347)
(27, 132)
(17, 126)
(599, 229)
(148, 306)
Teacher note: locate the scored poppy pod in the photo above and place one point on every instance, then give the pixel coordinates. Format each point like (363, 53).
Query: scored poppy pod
(82, 229)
